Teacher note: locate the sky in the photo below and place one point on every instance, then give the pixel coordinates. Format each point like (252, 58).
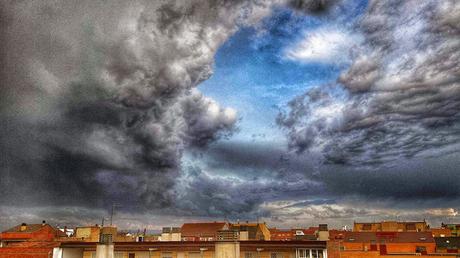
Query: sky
(286, 111)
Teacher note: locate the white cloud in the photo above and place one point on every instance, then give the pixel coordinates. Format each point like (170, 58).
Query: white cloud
(324, 45)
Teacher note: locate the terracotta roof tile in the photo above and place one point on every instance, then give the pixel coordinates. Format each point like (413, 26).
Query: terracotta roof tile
(29, 228)
(202, 229)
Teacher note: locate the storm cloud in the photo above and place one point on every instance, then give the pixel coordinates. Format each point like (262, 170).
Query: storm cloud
(100, 104)
(400, 97)
(99, 99)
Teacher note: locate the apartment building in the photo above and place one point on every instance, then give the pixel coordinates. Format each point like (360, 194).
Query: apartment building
(194, 249)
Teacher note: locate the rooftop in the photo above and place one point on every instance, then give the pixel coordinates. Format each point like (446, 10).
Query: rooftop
(27, 228)
(202, 228)
(388, 237)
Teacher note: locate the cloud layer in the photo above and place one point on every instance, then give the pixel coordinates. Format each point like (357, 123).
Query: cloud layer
(99, 104)
(99, 99)
(400, 96)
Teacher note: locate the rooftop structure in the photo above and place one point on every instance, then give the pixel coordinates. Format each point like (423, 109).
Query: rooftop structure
(391, 226)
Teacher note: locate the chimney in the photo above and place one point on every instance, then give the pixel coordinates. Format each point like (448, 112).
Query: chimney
(23, 227)
(323, 227)
(43, 222)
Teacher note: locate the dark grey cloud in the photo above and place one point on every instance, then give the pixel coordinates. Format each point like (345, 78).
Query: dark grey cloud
(418, 180)
(315, 7)
(303, 178)
(99, 103)
(100, 107)
(401, 94)
(99, 99)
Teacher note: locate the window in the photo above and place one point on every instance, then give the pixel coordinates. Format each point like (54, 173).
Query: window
(315, 253)
(276, 255)
(131, 255)
(302, 253)
(367, 226)
(250, 255)
(420, 249)
(106, 238)
(93, 255)
(305, 253)
(373, 245)
(118, 255)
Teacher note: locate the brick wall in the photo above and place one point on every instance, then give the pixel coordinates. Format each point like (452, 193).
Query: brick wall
(16, 252)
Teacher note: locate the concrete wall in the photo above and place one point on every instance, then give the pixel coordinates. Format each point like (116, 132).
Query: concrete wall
(104, 251)
(227, 250)
(6, 252)
(72, 253)
(170, 237)
(88, 234)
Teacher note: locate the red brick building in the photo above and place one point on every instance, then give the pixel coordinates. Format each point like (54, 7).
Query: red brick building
(28, 240)
(371, 244)
(29, 232)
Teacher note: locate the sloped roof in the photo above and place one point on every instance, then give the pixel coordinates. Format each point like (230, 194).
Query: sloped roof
(388, 237)
(274, 230)
(337, 234)
(310, 230)
(202, 228)
(29, 228)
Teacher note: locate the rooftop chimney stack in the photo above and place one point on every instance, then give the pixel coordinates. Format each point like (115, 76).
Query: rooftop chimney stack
(23, 227)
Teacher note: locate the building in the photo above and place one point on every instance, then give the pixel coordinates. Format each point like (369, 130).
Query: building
(29, 232)
(391, 226)
(375, 244)
(29, 241)
(252, 231)
(323, 232)
(441, 232)
(28, 249)
(454, 228)
(447, 244)
(87, 234)
(202, 231)
(170, 234)
(194, 249)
